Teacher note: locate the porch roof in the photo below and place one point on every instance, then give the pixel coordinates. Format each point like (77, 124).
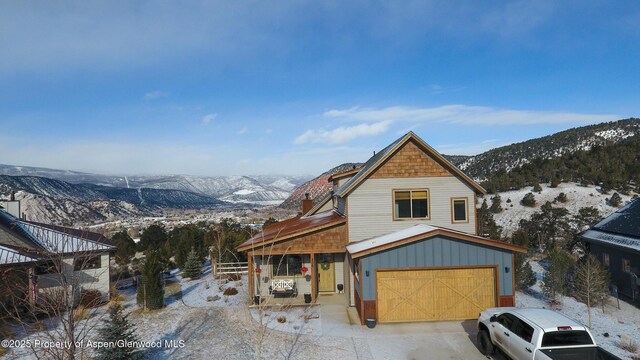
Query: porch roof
(294, 227)
(420, 232)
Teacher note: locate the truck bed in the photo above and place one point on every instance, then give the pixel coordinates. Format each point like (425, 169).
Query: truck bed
(579, 353)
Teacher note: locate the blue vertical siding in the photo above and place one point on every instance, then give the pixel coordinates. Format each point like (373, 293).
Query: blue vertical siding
(436, 251)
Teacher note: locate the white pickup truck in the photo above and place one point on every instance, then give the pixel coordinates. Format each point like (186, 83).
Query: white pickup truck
(536, 334)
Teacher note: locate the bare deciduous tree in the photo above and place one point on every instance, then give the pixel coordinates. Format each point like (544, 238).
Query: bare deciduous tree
(52, 301)
(591, 282)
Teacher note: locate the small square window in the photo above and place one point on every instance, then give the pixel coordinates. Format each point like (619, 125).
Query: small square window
(459, 210)
(626, 265)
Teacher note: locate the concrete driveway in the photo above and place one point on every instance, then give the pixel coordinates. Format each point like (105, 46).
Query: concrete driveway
(430, 340)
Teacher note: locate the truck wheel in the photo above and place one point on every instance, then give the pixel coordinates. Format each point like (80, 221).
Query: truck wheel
(484, 343)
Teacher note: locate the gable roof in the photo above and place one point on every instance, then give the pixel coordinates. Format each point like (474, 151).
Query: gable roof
(620, 229)
(379, 158)
(344, 174)
(49, 240)
(417, 233)
(294, 227)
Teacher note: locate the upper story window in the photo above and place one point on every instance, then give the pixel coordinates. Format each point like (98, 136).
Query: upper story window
(411, 204)
(605, 260)
(459, 213)
(86, 263)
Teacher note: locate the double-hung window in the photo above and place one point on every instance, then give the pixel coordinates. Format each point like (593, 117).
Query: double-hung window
(459, 212)
(411, 204)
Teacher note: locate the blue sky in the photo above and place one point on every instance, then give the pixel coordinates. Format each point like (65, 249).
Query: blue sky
(297, 87)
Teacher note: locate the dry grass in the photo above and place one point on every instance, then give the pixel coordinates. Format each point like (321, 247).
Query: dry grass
(635, 357)
(172, 288)
(628, 344)
(281, 319)
(81, 313)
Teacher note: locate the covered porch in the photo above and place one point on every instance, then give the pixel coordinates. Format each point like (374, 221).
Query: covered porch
(295, 279)
(297, 260)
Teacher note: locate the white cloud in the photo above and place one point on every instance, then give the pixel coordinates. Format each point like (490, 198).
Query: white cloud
(208, 118)
(342, 135)
(464, 114)
(156, 94)
(435, 89)
(244, 130)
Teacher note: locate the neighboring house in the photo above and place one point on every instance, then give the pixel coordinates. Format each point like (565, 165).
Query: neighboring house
(615, 241)
(42, 258)
(398, 236)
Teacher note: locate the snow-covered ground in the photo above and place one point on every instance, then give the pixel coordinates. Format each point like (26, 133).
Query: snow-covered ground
(617, 323)
(213, 325)
(578, 196)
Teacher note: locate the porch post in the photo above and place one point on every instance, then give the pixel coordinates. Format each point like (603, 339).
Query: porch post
(251, 275)
(314, 277)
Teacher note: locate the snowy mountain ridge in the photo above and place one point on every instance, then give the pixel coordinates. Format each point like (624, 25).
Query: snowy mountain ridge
(552, 146)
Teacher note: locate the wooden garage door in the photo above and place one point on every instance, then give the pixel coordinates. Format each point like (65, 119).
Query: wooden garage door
(436, 294)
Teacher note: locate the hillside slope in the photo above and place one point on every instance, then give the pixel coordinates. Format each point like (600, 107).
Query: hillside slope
(317, 188)
(481, 166)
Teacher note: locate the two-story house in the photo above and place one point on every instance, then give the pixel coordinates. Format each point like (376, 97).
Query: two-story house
(398, 236)
(38, 260)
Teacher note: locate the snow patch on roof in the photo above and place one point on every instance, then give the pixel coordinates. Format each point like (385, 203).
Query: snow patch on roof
(390, 238)
(59, 242)
(612, 239)
(11, 256)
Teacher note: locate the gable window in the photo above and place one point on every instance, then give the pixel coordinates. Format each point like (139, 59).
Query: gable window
(605, 259)
(411, 204)
(286, 265)
(626, 265)
(459, 212)
(86, 263)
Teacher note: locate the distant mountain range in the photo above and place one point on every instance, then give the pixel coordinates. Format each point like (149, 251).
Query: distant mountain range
(67, 196)
(62, 196)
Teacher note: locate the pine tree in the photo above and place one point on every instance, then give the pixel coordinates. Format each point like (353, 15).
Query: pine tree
(150, 291)
(615, 200)
(562, 197)
(591, 282)
(193, 266)
(487, 226)
(496, 204)
(554, 281)
(529, 200)
(525, 277)
(118, 328)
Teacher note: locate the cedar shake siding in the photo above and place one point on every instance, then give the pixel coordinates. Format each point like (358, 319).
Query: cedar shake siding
(328, 240)
(410, 162)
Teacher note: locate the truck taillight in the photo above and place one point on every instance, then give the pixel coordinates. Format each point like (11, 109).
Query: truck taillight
(564, 328)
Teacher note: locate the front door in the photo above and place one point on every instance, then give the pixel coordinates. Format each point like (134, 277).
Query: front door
(326, 273)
